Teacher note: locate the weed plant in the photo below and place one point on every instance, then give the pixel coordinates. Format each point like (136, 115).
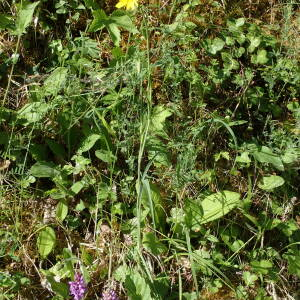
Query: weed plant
(149, 153)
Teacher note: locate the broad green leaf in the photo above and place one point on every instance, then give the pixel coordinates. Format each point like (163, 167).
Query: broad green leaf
(46, 241)
(243, 158)
(56, 81)
(24, 17)
(239, 22)
(114, 33)
(254, 43)
(60, 288)
(137, 287)
(91, 4)
(217, 205)
(32, 112)
(261, 57)
(291, 155)
(261, 266)
(44, 169)
(249, 278)
(100, 20)
(158, 118)
(77, 187)
(124, 22)
(216, 45)
(105, 155)
(229, 62)
(56, 148)
(271, 182)
(265, 155)
(152, 200)
(61, 210)
(5, 21)
(293, 258)
(157, 150)
(152, 244)
(88, 142)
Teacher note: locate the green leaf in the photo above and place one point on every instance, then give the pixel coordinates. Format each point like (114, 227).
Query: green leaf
(56, 81)
(243, 158)
(100, 20)
(88, 142)
(216, 45)
(249, 278)
(46, 241)
(124, 22)
(61, 210)
(261, 57)
(137, 287)
(217, 205)
(271, 182)
(262, 266)
(291, 155)
(152, 200)
(60, 288)
(32, 112)
(24, 17)
(77, 187)
(44, 169)
(157, 150)
(254, 43)
(91, 4)
(293, 258)
(105, 155)
(5, 21)
(158, 118)
(265, 155)
(56, 148)
(152, 244)
(114, 33)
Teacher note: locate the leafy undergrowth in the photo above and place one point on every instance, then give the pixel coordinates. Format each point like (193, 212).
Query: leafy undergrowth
(150, 153)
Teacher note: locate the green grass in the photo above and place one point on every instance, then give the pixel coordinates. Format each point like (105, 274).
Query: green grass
(154, 151)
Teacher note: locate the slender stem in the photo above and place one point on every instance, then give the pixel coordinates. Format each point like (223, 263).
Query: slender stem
(11, 71)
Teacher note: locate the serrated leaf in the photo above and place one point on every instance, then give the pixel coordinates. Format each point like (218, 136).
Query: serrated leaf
(24, 16)
(44, 169)
(46, 241)
(88, 142)
(61, 210)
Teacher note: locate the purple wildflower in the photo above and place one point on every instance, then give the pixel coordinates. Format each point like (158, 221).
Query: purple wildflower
(77, 287)
(110, 295)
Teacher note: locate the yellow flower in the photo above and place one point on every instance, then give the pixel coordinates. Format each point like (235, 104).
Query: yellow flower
(129, 4)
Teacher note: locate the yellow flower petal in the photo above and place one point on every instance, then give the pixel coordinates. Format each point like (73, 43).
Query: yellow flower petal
(129, 4)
